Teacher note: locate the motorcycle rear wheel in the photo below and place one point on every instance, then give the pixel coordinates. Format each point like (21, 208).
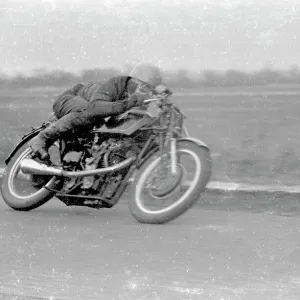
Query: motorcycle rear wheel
(17, 188)
(202, 163)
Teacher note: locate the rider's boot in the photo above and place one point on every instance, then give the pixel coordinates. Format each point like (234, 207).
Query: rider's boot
(67, 125)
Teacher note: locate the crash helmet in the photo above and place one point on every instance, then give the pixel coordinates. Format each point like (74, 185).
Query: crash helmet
(147, 73)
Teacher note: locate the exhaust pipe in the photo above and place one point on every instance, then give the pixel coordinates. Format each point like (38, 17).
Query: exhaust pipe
(30, 166)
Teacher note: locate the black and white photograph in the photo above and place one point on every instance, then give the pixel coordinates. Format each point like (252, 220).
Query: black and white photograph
(149, 149)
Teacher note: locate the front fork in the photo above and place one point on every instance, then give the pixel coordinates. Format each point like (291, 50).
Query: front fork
(173, 144)
(173, 156)
(173, 150)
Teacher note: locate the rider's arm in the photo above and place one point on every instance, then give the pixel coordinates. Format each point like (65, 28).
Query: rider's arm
(104, 101)
(103, 108)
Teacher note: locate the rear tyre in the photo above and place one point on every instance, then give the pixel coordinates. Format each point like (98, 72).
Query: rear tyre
(18, 189)
(140, 192)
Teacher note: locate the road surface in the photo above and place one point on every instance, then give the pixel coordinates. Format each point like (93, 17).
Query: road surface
(238, 246)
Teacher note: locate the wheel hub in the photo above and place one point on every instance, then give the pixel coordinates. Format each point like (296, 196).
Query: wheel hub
(162, 186)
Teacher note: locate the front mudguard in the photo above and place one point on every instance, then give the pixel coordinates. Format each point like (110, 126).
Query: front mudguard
(25, 139)
(195, 141)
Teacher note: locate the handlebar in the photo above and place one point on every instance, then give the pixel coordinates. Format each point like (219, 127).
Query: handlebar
(152, 100)
(158, 98)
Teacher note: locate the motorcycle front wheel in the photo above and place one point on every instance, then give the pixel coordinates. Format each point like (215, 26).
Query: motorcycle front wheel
(21, 191)
(181, 189)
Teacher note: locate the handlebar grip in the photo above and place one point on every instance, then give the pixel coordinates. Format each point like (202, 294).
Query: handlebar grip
(152, 100)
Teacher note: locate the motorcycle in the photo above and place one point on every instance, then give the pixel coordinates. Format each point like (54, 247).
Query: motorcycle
(140, 151)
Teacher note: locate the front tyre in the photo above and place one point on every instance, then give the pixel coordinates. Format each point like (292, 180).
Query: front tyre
(186, 193)
(19, 191)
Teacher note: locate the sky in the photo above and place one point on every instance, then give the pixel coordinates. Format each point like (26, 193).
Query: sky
(196, 35)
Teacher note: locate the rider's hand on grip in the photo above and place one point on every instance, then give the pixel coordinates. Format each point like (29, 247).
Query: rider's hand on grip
(142, 96)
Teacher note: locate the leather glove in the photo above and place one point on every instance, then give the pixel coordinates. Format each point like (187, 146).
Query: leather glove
(142, 96)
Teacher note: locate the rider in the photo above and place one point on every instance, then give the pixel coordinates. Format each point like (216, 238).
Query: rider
(83, 106)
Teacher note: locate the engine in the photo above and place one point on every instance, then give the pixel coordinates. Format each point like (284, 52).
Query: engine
(98, 154)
